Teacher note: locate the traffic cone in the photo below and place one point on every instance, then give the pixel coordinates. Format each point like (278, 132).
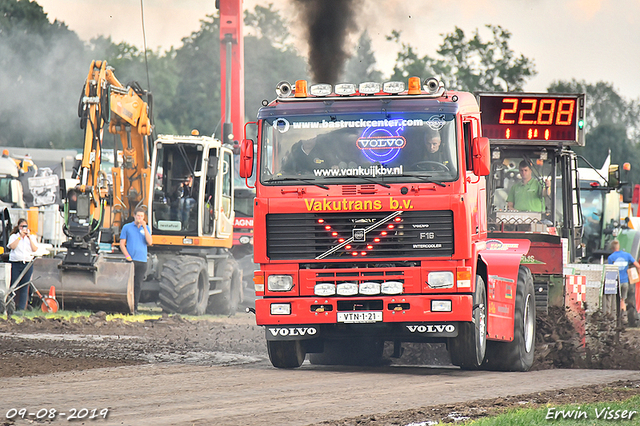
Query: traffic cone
(52, 292)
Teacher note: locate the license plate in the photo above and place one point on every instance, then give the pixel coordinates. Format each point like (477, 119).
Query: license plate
(359, 317)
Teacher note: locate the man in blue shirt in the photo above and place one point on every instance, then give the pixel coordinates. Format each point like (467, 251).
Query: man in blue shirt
(134, 239)
(623, 261)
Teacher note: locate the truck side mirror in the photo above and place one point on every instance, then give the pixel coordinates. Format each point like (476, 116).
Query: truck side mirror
(627, 194)
(481, 156)
(613, 180)
(212, 168)
(246, 158)
(62, 184)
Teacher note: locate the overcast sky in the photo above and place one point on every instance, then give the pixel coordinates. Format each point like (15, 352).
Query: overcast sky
(592, 40)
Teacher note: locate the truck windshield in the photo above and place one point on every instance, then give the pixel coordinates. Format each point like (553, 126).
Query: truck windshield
(358, 148)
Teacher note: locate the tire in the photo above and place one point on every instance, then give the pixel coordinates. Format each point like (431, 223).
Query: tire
(184, 285)
(286, 354)
(226, 303)
(468, 349)
(362, 352)
(517, 355)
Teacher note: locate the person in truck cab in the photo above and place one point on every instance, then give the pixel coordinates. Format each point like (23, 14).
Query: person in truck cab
(306, 156)
(527, 195)
(434, 152)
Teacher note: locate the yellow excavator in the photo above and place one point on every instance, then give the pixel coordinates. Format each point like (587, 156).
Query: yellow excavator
(190, 269)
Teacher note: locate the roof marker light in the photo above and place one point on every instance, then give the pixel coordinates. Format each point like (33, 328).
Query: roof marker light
(414, 86)
(344, 89)
(320, 89)
(369, 88)
(393, 87)
(301, 89)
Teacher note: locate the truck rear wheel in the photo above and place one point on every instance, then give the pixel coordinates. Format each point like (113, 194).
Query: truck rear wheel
(286, 354)
(184, 285)
(361, 351)
(226, 303)
(468, 349)
(517, 355)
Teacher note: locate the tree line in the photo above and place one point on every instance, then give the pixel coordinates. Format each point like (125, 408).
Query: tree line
(44, 65)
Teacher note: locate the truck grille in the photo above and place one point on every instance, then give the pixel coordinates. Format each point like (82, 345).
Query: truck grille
(410, 234)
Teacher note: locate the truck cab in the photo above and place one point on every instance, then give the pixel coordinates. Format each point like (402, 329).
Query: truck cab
(370, 225)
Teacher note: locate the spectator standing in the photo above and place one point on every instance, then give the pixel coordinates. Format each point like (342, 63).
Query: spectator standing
(134, 239)
(624, 261)
(22, 245)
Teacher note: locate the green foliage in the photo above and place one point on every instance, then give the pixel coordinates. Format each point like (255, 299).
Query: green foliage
(40, 80)
(611, 124)
(272, 58)
(361, 66)
(468, 64)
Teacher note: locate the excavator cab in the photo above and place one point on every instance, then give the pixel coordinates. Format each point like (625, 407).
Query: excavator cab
(193, 184)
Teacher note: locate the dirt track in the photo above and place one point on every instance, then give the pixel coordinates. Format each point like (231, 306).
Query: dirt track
(173, 371)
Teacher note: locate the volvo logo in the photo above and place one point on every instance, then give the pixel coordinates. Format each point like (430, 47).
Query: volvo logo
(432, 328)
(359, 235)
(292, 331)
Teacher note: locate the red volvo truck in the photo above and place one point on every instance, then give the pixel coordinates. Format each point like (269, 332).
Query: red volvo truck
(365, 233)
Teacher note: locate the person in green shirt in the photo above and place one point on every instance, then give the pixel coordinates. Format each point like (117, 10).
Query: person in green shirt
(527, 195)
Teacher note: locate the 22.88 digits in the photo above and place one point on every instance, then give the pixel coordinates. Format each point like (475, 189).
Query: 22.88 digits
(547, 112)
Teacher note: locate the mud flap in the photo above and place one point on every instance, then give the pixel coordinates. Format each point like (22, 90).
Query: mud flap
(109, 288)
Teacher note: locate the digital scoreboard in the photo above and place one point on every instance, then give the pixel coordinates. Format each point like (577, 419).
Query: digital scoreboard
(540, 117)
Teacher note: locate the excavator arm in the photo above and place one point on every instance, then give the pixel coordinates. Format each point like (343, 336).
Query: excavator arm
(106, 102)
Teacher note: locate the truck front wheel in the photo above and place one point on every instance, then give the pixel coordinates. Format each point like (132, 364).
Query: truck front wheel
(468, 349)
(286, 354)
(517, 355)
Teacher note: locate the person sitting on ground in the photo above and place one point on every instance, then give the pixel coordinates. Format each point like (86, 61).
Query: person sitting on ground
(527, 195)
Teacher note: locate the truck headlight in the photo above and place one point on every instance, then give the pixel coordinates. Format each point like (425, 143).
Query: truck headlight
(324, 289)
(370, 288)
(280, 309)
(280, 282)
(441, 306)
(347, 289)
(440, 279)
(391, 287)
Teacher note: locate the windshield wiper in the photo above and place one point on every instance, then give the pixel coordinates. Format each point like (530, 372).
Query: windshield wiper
(368, 179)
(422, 178)
(309, 181)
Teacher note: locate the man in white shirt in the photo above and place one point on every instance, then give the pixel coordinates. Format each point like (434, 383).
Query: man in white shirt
(22, 245)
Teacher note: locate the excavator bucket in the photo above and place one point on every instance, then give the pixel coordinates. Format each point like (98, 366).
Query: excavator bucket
(108, 288)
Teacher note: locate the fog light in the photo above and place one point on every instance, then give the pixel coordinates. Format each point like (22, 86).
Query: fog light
(439, 306)
(324, 289)
(345, 89)
(280, 309)
(280, 282)
(391, 287)
(347, 289)
(187, 241)
(369, 288)
(245, 239)
(440, 279)
(369, 88)
(393, 87)
(320, 89)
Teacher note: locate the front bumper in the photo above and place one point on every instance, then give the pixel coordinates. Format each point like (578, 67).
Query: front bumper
(395, 309)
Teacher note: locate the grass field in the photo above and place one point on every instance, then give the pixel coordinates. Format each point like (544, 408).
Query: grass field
(602, 413)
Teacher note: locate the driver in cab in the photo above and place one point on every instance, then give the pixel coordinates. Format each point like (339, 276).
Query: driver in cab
(434, 152)
(306, 156)
(527, 195)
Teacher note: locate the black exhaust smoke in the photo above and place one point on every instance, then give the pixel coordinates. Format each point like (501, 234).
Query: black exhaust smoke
(328, 24)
